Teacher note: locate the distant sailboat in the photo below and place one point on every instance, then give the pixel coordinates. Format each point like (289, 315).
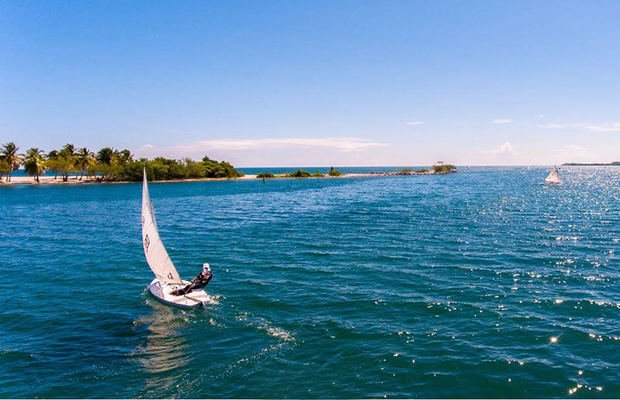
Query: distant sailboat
(167, 279)
(554, 177)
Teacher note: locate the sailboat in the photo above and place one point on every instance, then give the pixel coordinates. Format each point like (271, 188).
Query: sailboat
(167, 279)
(554, 177)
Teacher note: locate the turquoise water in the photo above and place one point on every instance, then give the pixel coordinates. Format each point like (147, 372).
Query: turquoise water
(484, 283)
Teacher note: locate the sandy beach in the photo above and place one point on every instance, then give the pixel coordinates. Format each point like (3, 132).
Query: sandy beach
(50, 180)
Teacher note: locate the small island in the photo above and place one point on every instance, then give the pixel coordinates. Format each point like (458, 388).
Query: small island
(437, 169)
(613, 163)
(300, 173)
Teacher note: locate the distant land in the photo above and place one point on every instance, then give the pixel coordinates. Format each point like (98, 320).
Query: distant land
(110, 165)
(615, 163)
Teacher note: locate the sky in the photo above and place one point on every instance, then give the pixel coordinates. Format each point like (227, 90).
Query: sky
(316, 83)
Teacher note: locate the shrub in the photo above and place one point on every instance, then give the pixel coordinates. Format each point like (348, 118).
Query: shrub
(443, 168)
(300, 173)
(265, 175)
(333, 172)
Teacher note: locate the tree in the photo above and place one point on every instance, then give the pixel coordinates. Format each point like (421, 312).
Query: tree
(443, 168)
(51, 157)
(84, 160)
(109, 165)
(122, 157)
(68, 161)
(64, 163)
(300, 173)
(35, 163)
(104, 155)
(68, 149)
(4, 168)
(222, 169)
(334, 172)
(11, 158)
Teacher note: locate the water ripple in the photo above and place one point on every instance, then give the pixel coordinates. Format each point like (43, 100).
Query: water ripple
(485, 283)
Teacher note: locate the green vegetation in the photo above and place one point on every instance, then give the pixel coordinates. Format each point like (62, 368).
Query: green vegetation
(4, 168)
(614, 163)
(34, 163)
(108, 165)
(421, 171)
(10, 160)
(333, 172)
(404, 171)
(265, 175)
(300, 173)
(444, 168)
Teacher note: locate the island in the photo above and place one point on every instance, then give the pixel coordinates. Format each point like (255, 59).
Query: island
(107, 165)
(613, 163)
(437, 169)
(300, 173)
(72, 165)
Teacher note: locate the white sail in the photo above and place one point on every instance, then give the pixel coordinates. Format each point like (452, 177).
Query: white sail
(553, 177)
(154, 250)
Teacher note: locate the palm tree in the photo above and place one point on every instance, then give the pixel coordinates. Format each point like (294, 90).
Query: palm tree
(68, 149)
(124, 156)
(85, 159)
(66, 161)
(35, 163)
(9, 155)
(52, 158)
(105, 155)
(4, 168)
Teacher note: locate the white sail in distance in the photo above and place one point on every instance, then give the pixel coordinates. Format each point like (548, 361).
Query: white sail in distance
(553, 177)
(154, 250)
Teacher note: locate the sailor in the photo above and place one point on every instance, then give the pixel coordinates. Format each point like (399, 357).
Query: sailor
(201, 280)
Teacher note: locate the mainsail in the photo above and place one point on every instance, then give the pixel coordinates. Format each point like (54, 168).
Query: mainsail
(154, 250)
(553, 177)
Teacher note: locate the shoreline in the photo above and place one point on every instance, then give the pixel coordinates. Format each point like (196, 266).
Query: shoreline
(45, 180)
(50, 180)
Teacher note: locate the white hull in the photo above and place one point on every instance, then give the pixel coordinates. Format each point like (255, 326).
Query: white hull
(162, 292)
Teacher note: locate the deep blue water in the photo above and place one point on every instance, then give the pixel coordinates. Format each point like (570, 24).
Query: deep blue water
(484, 283)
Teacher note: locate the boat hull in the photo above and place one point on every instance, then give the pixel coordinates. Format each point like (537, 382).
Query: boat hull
(162, 292)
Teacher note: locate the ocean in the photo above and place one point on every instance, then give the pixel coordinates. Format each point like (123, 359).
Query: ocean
(483, 283)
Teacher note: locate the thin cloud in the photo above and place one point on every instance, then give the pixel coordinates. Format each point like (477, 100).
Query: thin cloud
(553, 126)
(340, 144)
(502, 121)
(415, 123)
(615, 127)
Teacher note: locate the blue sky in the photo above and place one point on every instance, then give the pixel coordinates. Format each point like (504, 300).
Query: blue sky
(316, 82)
